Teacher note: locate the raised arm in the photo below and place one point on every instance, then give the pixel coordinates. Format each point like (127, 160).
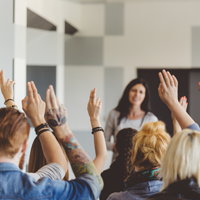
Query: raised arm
(35, 110)
(56, 117)
(7, 90)
(168, 92)
(176, 126)
(94, 110)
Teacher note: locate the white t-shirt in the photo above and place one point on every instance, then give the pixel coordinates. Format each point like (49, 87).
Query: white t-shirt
(112, 127)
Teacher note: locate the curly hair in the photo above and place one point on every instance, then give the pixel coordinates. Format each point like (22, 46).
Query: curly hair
(149, 145)
(124, 146)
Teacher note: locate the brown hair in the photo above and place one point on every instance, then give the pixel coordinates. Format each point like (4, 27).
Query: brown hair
(14, 131)
(149, 145)
(37, 159)
(124, 145)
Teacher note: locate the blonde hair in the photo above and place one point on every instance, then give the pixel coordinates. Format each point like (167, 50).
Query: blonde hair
(37, 159)
(181, 159)
(149, 145)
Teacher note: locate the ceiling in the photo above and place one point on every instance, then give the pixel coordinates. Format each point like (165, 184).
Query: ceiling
(95, 1)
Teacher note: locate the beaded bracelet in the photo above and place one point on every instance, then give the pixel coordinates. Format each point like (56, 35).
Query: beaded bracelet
(96, 129)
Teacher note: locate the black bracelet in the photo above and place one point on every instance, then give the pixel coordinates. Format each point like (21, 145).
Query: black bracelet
(45, 125)
(8, 100)
(42, 131)
(97, 129)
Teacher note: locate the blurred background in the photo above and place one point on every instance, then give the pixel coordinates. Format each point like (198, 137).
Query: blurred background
(78, 45)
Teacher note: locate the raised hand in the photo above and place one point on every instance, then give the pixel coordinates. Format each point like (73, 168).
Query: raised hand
(168, 92)
(6, 86)
(184, 103)
(94, 106)
(168, 88)
(35, 108)
(56, 114)
(94, 110)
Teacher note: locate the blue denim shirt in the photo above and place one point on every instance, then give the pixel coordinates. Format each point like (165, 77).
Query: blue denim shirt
(138, 191)
(14, 184)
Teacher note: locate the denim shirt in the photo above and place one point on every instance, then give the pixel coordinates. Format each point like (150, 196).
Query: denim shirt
(14, 184)
(138, 191)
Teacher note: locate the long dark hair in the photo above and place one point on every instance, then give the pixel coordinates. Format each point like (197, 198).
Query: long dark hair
(124, 146)
(124, 103)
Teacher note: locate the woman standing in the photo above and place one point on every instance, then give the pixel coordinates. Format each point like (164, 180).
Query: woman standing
(132, 111)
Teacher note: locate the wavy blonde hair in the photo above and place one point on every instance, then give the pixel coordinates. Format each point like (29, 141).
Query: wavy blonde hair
(181, 159)
(149, 145)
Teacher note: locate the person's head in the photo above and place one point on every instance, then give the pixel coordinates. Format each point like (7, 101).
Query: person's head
(14, 132)
(124, 146)
(37, 159)
(149, 145)
(181, 159)
(136, 92)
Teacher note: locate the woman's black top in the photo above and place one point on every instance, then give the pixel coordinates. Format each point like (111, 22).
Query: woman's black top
(113, 179)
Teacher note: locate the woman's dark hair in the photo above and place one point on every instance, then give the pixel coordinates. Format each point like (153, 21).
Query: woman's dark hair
(124, 146)
(124, 104)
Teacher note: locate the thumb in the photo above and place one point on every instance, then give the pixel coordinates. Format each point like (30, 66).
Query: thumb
(24, 104)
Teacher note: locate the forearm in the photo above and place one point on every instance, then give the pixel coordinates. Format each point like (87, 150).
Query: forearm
(176, 126)
(52, 150)
(78, 158)
(181, 115)
(100, 146)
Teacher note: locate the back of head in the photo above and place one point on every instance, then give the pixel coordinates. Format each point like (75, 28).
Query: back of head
(181, 159)
(37, 159)
(124, 140)
(149, 145)
(124, 103)
(14, 131)
(124, 146)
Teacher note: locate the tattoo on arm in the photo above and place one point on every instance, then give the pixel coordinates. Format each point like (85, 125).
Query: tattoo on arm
(56, 117)
(80, 161)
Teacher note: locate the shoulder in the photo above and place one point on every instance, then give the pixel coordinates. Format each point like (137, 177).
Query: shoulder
(150, 117)
(120, 195)
(114, 113)
(86, 186)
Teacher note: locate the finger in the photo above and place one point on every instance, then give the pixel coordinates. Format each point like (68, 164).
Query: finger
(199, 85)
(48, 101)
(93, 96)
(24, 104)
(162, 81)
(2, 79)
(100, 104)
(8, 81)
(53, 98)
(97, 101)
(12, 83)
(59, 105)
(171, 80)
(34, 89)
(175, 81)
(181, 100)
(30, 91)
(39, 97)
(167, 82)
